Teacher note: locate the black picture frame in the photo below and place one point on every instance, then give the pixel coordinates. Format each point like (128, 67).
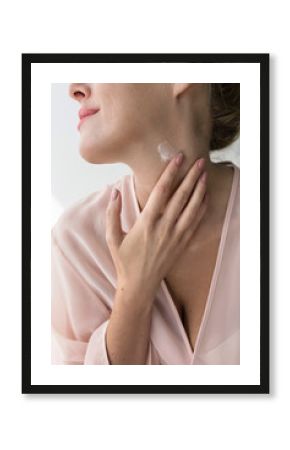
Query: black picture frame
(263, 60)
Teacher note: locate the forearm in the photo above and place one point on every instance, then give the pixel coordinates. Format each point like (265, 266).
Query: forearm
(128, 331)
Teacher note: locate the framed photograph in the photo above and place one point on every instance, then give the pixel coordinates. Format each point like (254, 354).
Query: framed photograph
(145, 223)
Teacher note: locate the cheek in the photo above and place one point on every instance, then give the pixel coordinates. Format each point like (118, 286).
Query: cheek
(124, 115)
(131, 109)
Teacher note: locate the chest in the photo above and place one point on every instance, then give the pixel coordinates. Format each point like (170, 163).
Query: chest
(189, 282)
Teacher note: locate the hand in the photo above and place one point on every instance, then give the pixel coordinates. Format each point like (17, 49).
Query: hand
(165, 226)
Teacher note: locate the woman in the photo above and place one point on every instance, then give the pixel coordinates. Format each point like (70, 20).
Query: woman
(152, 275)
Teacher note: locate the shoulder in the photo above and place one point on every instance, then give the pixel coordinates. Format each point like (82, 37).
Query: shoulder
(84, 221)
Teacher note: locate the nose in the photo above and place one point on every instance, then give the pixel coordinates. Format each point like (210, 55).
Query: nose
(79, 91)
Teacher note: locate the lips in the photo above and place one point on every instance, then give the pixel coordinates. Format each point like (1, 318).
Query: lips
(83, 113)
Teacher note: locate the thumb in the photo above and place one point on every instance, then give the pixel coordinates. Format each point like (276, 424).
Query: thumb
(114, 232)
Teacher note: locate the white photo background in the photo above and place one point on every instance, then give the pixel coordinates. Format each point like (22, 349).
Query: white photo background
(59, 176)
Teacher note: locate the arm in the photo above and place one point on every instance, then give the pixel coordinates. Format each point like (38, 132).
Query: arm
(143, 256)
(128, 331)
(79, 319)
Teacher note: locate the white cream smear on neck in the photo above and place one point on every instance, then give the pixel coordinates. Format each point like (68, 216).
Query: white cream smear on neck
(166, 151)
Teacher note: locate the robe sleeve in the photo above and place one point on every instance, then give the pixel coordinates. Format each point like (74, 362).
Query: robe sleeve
(79, 318)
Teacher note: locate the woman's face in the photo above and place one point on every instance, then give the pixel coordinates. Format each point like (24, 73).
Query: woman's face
(129, 113)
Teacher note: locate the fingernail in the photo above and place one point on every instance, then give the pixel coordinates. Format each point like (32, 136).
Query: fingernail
(179, 158)
(114, 194)
(200, 162)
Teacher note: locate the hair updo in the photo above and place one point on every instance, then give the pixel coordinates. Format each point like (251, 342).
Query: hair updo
(225, 114)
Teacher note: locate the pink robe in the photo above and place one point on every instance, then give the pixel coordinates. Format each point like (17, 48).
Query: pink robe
(83, 285)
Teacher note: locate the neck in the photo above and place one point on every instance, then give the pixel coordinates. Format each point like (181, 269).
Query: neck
(219, 183)
(147, 165)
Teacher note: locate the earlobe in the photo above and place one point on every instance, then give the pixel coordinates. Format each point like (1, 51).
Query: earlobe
(180, 88)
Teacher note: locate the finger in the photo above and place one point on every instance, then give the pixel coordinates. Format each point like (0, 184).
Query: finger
(187, 235)
(162, 189)
(184, 191)
(114, 232)
(188, 216)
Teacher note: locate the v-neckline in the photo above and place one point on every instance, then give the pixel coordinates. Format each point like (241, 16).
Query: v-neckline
(167, 299)
(213, 279)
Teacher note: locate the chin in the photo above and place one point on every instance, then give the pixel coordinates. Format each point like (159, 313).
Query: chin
(91, 156)
(104, 148)
(97, 155)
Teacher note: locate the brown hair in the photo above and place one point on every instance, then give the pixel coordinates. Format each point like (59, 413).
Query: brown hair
(225, 113)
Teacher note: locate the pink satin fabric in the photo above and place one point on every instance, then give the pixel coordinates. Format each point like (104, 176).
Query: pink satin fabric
(83, 285)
